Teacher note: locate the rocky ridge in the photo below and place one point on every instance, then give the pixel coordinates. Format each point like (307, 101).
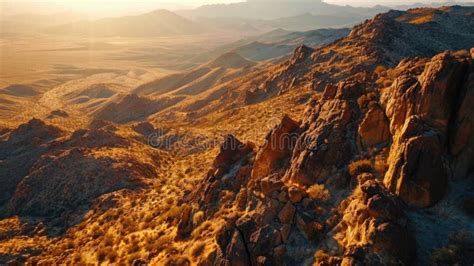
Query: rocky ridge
(372, 148)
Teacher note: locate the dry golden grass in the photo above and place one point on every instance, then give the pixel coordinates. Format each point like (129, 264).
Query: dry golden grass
(422, 20)
(318, 192)
(358, 167)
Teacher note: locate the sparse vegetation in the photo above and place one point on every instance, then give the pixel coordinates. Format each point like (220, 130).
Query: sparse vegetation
(366, 100)
(321, 255)
(318, 192)
(361, 166)
(197, 249)
(380, 69)
(380, 164)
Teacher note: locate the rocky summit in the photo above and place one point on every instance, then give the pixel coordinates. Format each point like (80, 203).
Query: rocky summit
(358, 152)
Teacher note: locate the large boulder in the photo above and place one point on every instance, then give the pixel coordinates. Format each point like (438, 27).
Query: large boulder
(276, 151)
(432, 95)
(374, 128)
(374, 228)
(417, 172)
(421, 111)
(231, 150)
(236, 253)
(324, 145)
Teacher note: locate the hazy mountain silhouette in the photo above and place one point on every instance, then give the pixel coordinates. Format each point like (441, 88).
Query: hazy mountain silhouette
(265, 9)
(156, 23)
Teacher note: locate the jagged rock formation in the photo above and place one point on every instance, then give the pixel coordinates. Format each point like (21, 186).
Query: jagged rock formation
(296, 200)
(374, 128)
(373, 229)
(277, 149)
(422, 112)
(382, 41)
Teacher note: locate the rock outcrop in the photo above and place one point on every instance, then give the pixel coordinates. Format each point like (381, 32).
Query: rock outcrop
(324, 144)
(374, 128)
(414, 126)
(422, 112)
(374, 228)
(276, 150)
(462, 134)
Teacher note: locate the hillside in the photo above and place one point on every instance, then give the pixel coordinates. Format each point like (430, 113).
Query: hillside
(223, 68)
(359, 151)
(277, 43)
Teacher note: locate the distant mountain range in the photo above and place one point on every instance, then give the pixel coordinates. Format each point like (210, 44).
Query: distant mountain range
(301, 22)
(156, 23)
(262, 9)
(253, 17)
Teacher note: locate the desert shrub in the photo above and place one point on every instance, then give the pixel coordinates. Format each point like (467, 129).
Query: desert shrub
(109, 239)
(197, 249)
(77, 258)
(174, 212)
(149, 217)
(102, 254)
(318, 192)
(321, 255)
(457, 252)
(387, 82)
(135, 247)
(112, 256)
(97, 233)
(198, 218)
(161, 243)
(170, 201)
(380, 164)
(361, 166)
(69, 244)
(380, 69)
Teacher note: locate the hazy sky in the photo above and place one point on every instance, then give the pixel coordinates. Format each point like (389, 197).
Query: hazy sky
(127, 6)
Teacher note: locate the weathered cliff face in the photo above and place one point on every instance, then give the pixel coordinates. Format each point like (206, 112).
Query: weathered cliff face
(462, 134)
(423, 112)
(274, 155)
